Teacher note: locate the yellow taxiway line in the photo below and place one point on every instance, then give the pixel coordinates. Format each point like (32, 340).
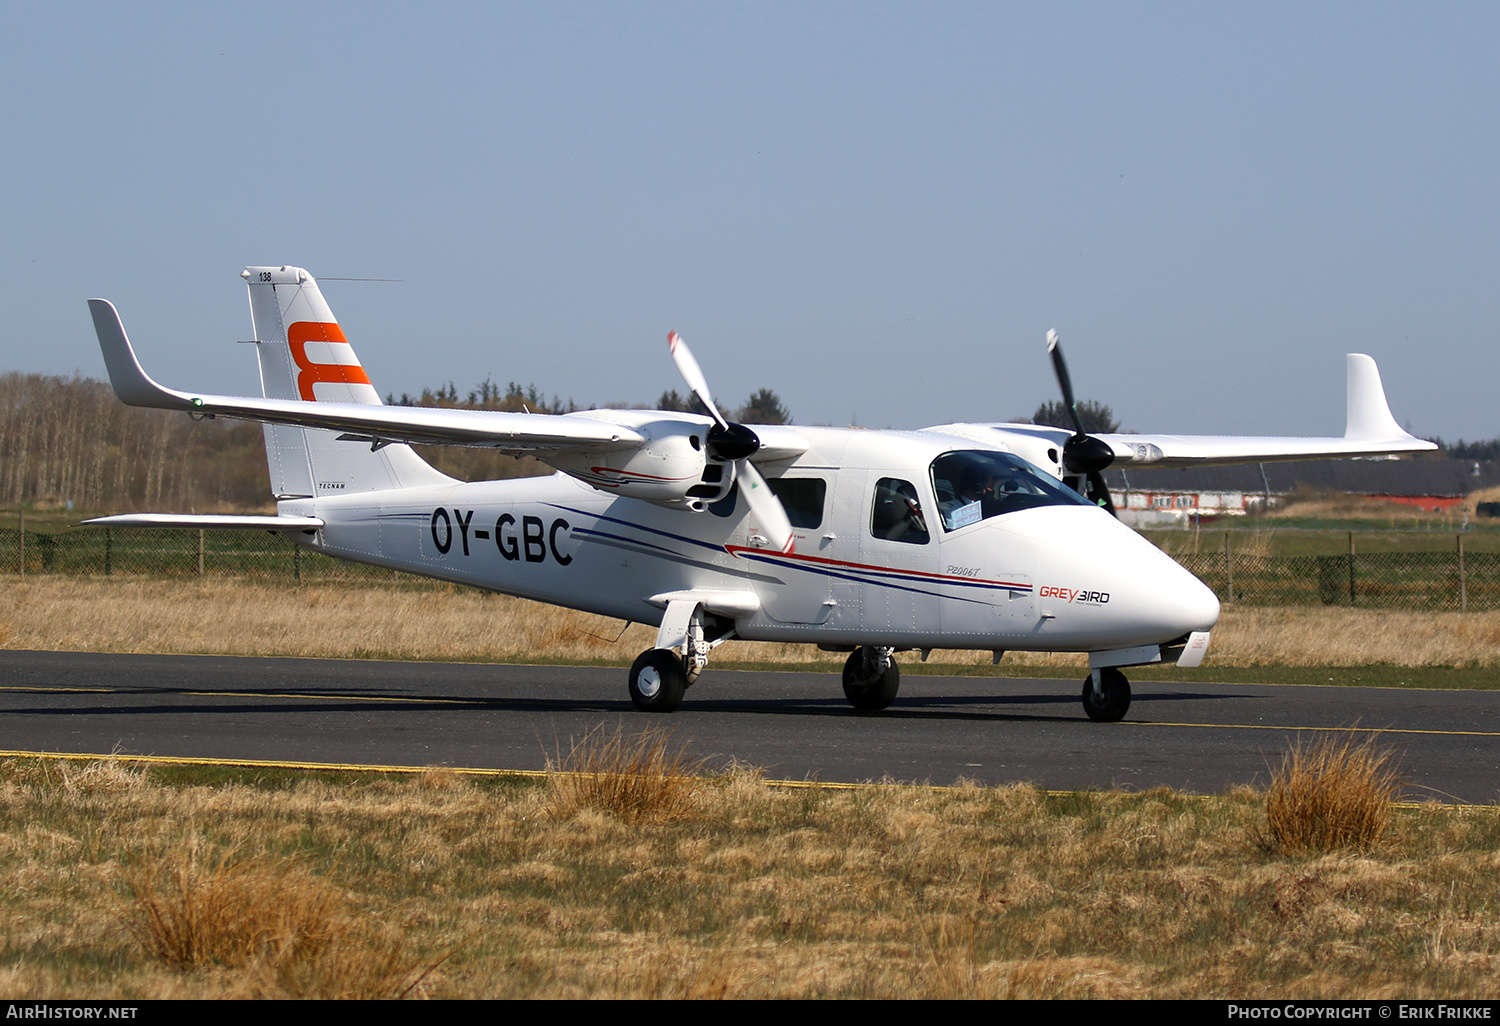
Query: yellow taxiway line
(473, 771)
(343, 767)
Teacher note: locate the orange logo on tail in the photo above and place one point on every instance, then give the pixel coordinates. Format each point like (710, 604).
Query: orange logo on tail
(303, 332)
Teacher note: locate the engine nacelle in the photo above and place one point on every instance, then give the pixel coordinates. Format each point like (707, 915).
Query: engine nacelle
(672, 469)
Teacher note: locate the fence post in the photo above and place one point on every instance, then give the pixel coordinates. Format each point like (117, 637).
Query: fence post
(1351, 568)
(297, 562)
(1463, 584)
(22, 536)
(1228, 570)
(109, 551)
(200, 552)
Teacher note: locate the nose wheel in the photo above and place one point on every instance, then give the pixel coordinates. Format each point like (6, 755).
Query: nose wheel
(1106, 695)
(871, 678)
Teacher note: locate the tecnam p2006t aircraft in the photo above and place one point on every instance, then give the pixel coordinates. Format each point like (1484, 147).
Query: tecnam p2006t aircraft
(962, 536)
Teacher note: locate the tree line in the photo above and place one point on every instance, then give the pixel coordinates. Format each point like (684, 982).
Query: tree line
(68, 440)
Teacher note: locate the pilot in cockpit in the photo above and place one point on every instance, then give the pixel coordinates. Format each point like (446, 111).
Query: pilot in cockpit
(976, 483)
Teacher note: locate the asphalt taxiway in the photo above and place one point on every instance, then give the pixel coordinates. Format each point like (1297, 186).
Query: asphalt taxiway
(797, 726)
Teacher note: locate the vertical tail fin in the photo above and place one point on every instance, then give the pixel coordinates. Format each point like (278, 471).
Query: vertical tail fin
(304, 355)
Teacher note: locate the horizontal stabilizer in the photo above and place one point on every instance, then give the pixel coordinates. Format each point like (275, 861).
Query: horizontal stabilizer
(207, 522)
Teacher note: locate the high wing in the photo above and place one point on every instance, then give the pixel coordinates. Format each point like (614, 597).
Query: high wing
(1369, 430)
(674, 459)
(510, 432)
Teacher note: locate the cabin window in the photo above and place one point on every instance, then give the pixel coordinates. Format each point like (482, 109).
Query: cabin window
(974, 486)
(897, 512)
(802, 498)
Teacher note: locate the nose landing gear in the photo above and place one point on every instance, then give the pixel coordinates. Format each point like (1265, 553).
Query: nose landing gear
(871, 678)
(1106, 695)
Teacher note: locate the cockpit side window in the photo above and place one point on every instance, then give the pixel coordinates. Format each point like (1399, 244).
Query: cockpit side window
(976, 485)
(896, 514)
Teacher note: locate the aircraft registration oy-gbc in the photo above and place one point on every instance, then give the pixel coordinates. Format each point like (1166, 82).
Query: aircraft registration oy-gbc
(962, 536)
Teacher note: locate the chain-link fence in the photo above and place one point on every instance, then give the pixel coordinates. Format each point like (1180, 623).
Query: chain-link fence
(1391, 580)
(1385, 580)
(108, 551)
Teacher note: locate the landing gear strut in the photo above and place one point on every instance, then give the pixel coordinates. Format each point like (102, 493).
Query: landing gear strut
(1106, 695)
(686, 637)
(871, 678)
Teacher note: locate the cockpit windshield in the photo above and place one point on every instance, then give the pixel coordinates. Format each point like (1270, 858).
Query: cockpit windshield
(976, 485)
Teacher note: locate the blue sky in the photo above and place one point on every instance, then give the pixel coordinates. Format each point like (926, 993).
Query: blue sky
(875, 209)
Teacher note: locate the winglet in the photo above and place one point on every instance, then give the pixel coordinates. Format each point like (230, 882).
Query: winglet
(1369, 415)
(132, 384)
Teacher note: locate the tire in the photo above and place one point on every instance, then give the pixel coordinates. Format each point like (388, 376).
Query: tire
(865, 694)
(1116, 700)
(657, 681)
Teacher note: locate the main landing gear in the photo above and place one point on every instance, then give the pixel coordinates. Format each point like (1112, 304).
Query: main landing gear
(661, 675)
(871, 678)
(657, 680)
(1106, 695)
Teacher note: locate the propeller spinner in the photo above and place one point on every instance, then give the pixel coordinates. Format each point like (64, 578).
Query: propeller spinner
(736, 443)
(1083, 453)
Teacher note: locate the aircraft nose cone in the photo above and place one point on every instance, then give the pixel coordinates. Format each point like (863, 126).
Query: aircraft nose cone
(1158, 594)
(1194, 606)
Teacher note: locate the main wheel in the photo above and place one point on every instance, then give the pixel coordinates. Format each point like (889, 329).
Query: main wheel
(657, 680)
(1115, 702)
(866, 693)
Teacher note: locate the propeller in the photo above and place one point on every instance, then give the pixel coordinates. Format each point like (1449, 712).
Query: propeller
(736, 443)
(1083, 453)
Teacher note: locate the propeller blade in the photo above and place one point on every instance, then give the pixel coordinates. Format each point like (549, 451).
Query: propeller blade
(1060, 368)
(770, 515)
(693, 375)
(1099, 493)
(737, 443)
(1083, 453)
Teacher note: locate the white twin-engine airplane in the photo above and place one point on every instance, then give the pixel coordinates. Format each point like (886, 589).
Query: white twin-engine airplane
(963, 536)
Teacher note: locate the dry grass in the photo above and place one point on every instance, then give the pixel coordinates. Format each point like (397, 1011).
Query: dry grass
(192, 908)
(638, 778)
(230, 618)
(885, 892)
(290, 932)
(1255, 636)
(1333, 794)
